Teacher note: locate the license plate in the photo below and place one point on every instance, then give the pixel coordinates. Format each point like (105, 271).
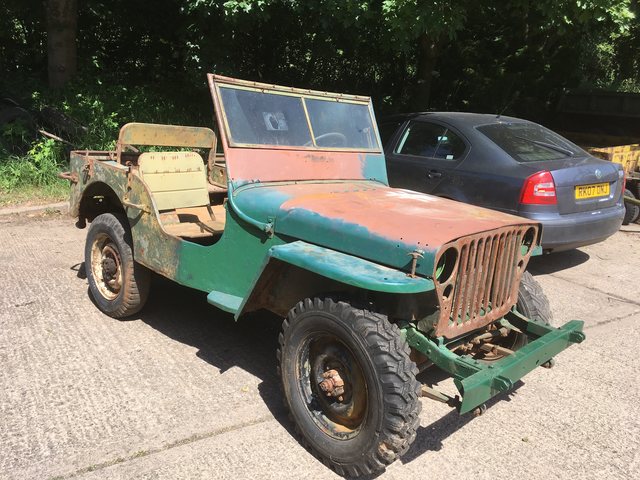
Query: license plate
(592, 191)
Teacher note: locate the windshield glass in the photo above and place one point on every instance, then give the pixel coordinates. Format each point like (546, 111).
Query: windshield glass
(257, 118)
(265, 118)
(529, 142)
(341, 124)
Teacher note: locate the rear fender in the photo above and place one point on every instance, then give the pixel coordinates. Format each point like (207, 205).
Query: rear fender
(105, 186)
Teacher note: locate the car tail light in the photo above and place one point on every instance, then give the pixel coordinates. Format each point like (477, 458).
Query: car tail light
(539, 189)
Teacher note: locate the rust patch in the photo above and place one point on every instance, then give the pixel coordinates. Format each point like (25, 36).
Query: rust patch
(401, 215)
(332, 385)
(275, 165)
(483, 284)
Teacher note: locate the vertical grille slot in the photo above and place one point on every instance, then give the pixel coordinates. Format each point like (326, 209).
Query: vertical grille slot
(485, 282)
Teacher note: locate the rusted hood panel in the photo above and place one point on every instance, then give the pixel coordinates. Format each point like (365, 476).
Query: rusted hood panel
(369, 220)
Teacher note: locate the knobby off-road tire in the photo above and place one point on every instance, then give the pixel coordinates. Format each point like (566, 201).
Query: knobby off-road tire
(119, 285)
(532, 303)
(375, 420)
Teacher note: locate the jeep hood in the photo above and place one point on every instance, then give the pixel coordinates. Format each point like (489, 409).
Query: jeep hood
(367, 219)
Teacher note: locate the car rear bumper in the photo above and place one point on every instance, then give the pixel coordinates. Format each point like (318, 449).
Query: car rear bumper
(564, 232)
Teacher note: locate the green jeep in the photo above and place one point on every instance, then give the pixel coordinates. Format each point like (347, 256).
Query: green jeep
(294, 214)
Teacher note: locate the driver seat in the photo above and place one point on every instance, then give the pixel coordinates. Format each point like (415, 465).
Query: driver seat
(178, 184)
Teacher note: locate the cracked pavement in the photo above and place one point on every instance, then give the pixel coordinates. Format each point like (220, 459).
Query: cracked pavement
(182, 391)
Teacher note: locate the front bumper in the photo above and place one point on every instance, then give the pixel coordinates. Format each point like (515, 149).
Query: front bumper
(479, 381)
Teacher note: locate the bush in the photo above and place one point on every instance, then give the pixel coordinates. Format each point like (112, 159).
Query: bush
(31, 161)
(38, 168)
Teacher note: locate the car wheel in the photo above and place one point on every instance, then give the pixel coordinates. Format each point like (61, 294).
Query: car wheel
(349, 384)
(118, 284)
(631, 211)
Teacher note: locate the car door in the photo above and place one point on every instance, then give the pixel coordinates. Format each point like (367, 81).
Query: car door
(424, 157)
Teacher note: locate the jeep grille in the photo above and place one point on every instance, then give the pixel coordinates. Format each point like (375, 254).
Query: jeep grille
(482, 285)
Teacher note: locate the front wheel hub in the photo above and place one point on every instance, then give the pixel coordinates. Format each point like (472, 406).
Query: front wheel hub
(332, 385)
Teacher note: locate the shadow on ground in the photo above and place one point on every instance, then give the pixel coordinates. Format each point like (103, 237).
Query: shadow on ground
(554, 262)
(184, 315)
(432, 436)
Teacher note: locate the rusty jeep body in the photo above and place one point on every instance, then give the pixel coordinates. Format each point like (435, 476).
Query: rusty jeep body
(294, 214)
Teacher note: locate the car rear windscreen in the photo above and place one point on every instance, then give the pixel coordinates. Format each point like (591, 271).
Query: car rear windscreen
(529, 142)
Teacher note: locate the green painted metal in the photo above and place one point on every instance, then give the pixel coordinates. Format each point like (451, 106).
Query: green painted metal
(229, 266)
(264, 202)
(224, 301)
(479, 381)
(632, 201)
(266, 227)
(349, 269)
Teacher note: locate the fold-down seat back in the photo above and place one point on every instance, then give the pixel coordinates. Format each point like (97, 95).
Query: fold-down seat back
(176, 179)
(178, 185)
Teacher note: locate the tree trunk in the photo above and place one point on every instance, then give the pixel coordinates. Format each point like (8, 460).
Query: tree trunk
(62, 24)
(427, 56)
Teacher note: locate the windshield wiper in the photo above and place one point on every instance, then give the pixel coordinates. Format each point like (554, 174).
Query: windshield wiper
(551, 146)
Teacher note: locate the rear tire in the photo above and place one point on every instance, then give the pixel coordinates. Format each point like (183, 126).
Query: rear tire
(631, 212)
(118, 284)
(365, 428)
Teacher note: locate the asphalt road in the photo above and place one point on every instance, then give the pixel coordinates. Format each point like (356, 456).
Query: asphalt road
(182, 391)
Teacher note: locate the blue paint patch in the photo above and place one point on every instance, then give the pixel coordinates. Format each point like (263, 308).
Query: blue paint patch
(374, 167)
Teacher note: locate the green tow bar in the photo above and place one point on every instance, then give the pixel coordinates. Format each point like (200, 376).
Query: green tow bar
(479, 381)
(632, 201)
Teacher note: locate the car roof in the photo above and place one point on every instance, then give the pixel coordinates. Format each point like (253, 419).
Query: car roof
(465, 119)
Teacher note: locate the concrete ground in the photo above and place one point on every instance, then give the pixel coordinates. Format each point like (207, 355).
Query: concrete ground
(182, 391)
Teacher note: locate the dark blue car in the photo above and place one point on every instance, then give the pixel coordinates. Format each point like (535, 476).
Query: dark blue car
(511, 165)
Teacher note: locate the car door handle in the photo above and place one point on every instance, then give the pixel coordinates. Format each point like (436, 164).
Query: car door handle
(434, 174)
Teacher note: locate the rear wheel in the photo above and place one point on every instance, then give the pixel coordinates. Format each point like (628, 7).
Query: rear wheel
(631, 211)
(119, 285)
(349, 384)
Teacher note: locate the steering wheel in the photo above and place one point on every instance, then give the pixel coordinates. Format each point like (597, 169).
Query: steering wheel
(339, 140)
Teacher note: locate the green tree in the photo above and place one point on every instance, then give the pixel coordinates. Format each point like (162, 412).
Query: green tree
(62, 23)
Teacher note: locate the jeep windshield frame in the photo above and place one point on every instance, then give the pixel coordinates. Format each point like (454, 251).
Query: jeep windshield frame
(273, 117)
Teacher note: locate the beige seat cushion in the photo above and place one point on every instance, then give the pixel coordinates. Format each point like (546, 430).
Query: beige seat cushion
(176, 179)
(178, 184)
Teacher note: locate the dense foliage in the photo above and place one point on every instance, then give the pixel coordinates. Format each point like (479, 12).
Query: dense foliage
(145, 61)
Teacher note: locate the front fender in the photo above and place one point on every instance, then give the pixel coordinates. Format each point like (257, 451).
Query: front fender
(348, 269)
(318, 269)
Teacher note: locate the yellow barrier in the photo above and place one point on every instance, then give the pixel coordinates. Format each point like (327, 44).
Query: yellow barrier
(626, 155)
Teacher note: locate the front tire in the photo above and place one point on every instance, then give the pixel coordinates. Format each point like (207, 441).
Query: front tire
(118, 284)
(363, 426)
(533, 304)
(532, 301)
